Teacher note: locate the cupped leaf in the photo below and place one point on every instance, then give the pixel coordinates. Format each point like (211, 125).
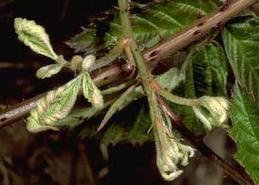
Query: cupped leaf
(34, 36)
(91, 92)
(241, 40)
(152, 23)
(49, 70)
(245, 132)
(55, 106)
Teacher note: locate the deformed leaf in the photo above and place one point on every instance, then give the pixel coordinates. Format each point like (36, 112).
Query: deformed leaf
(91, 92)
(34, 36)
(55, 106)
(49, 70)
(245, 132)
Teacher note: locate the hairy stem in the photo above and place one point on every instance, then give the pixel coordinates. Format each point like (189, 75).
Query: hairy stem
(180, 40)
(177, 99)
(204, 149)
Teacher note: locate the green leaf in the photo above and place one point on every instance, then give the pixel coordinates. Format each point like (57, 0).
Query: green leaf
(245, 132)
(91, 92)
(134, 130)
(34, 36)
(55, 106)
(151, 24)
(49, 70)
(206, 75)
(209, 67)
(241, 40)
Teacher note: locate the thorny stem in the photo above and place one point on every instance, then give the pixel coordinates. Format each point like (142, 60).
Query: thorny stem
(211, 22)
(204, 149)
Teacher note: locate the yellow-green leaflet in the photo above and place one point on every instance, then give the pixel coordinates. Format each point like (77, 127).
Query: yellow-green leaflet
(91, 92)
(34, 36)
(49, 70)
(55, 106)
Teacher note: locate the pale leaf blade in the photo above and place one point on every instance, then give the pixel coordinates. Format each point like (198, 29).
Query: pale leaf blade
(35, 37)
(48, 71)
(55, 106)
(91, 92)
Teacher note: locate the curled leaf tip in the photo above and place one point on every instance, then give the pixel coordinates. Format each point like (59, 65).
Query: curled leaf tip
(91, 92)
(88, 61)
(212, 111)
(171, 153)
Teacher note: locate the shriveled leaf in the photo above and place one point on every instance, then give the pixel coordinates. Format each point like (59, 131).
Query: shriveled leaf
(49, 70)
(34, 36)
(245, 132)
(117, 106)
(55, 106)
(152, 23)
(206, 75)
(91, 92)
(241, 40)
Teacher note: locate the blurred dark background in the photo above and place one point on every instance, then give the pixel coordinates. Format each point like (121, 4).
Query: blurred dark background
(63, 158)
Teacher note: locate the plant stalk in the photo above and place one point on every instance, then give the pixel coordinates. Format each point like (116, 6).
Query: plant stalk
(144, 73)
